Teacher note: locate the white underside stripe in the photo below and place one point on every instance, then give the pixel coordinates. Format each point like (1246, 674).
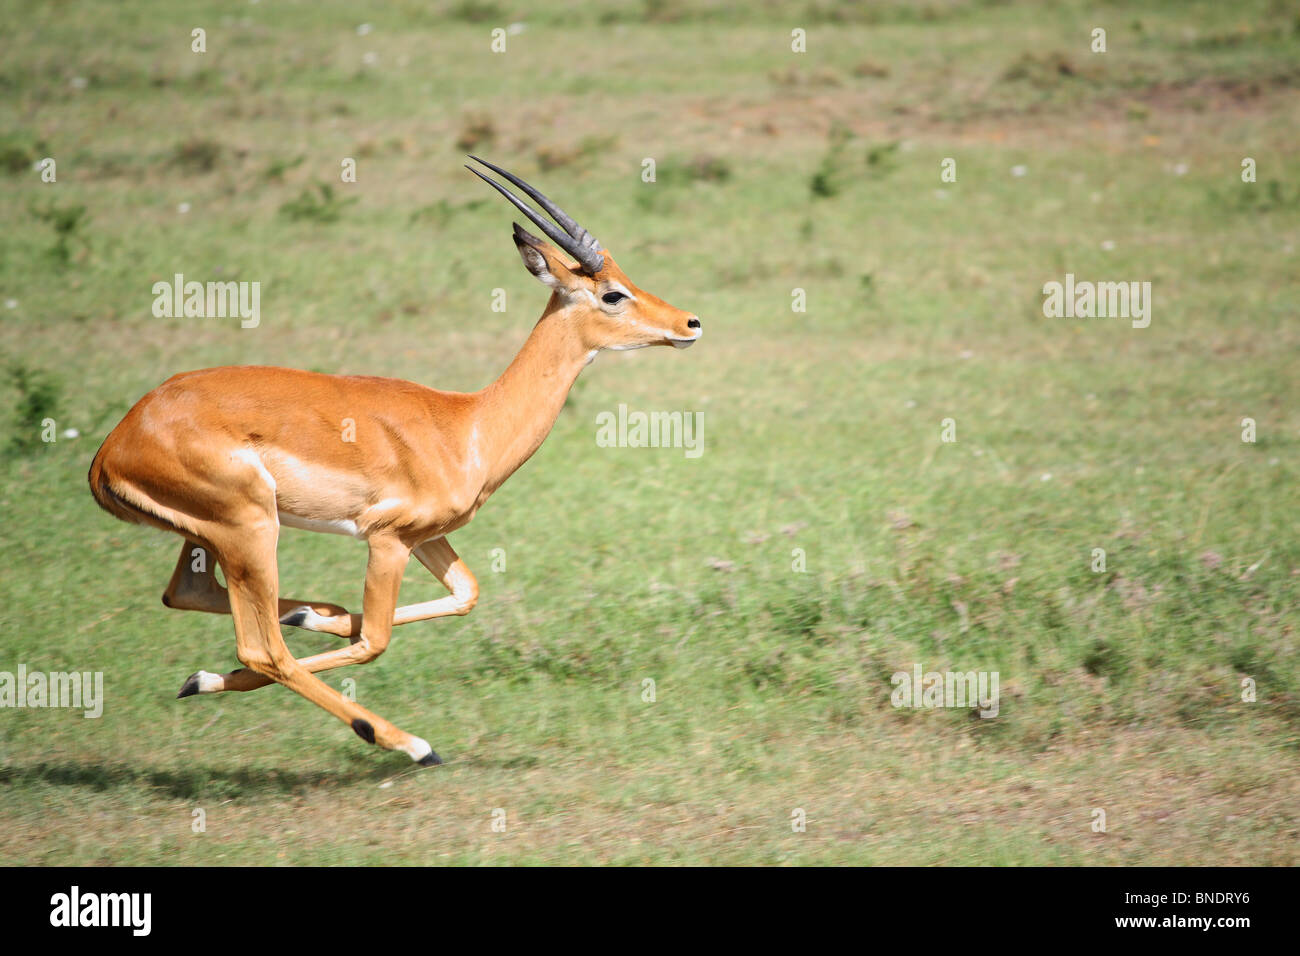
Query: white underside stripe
(344, 526)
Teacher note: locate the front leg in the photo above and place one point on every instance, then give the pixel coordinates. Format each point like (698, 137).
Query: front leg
(445, 565)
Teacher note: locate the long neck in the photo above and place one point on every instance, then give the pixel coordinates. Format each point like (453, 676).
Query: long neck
(517, 411)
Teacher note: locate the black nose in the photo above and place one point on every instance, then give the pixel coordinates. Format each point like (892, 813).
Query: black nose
(693, 323)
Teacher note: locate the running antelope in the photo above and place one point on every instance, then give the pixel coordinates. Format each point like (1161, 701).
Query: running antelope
(225, 456)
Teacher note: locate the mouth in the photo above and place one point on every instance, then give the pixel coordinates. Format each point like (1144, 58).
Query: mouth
(680, 343)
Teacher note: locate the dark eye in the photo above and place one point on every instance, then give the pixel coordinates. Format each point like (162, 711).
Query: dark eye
(612, 298)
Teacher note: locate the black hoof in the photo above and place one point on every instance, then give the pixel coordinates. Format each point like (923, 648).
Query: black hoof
(190, 688)
(294, 618)
(429, 760)
(364, 730)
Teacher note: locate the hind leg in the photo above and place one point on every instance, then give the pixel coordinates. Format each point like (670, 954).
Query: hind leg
(388, 559)
(194, 587)
(383, 578)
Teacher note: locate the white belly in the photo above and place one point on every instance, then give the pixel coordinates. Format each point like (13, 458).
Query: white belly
(345, 526)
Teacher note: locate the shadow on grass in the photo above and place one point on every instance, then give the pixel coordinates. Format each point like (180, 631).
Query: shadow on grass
(197, 782)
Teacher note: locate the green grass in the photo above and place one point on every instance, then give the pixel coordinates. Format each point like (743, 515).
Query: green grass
(1120, 690)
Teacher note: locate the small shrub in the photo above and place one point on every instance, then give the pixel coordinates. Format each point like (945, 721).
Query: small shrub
(278, 167)
(475, 11)
(701, 168)
(831, 175)
(580, 154)
(882, 160)
(477, 131)
(321, 206)
(1044, 71)
(197, 155)
(17, 153)
(66, 221)
(37, 400)
(870, 68)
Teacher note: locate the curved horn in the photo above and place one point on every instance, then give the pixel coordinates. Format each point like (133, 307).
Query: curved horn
(574, 240)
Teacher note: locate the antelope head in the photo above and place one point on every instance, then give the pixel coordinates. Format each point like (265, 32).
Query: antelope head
(592, 291)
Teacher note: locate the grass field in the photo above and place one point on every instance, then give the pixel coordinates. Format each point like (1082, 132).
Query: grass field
(1121, 690)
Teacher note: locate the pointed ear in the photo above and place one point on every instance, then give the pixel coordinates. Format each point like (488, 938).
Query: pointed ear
(542, 260)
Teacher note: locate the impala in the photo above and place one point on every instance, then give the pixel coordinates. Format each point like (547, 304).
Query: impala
(225, 456)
